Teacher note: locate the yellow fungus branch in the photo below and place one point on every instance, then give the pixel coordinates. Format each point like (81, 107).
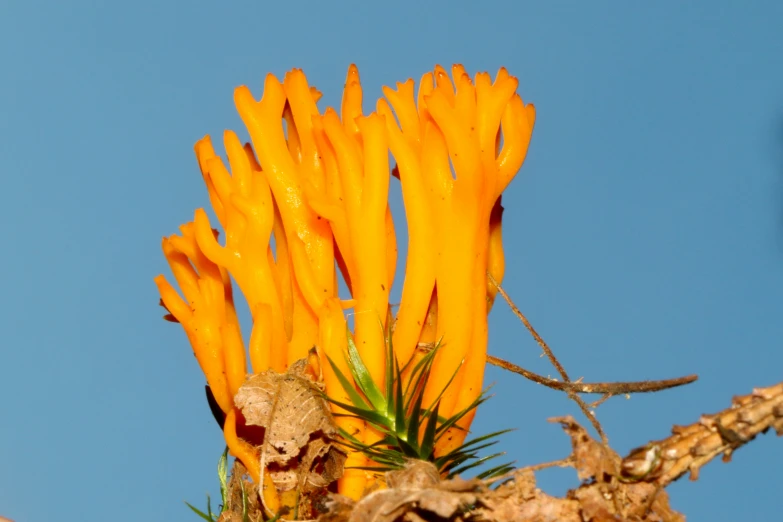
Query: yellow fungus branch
(333, 343)
(422, 232)
(311, 196)
(496, 258)
(309, 238)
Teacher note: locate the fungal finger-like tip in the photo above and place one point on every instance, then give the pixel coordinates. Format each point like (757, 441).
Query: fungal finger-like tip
(483, 79)
(203, 146)
(200, 217)
(271, 81)
(243, 96)
(530, 111)
(353, 74)
(382, 106)
(231, 137)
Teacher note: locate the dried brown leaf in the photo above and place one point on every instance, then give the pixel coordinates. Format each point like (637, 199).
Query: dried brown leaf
(416, 493)
(518, 499)
(289, 406)
(298, 451)
(336, 508)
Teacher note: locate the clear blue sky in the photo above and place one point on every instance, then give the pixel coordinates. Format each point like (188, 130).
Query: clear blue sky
(644, 234)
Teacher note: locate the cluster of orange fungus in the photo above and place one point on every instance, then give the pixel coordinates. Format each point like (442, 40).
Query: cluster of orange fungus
(308, 201)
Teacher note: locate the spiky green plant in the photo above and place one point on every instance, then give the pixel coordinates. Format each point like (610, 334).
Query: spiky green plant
(409, 431)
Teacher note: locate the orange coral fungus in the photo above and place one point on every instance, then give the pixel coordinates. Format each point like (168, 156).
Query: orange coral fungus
(308, 201)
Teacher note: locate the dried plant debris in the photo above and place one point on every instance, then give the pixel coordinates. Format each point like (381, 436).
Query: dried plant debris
(601, 496)
(298, 451)
(242, 501)
(691, 447)
(417, 494)
(519, 499)
(591, 459)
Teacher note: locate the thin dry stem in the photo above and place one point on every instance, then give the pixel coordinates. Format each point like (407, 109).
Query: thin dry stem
(567, 462)
(551, 356)
(538, 338)
(571, 393)
(606, 388)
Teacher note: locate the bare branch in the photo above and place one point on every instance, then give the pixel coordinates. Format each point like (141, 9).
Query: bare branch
(571, 393)
(691, 447)
(608, 388)
(530, 329)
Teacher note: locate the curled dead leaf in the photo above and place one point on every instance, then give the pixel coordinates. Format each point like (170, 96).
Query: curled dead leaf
(298, 449)
(289, 406)
(417, 493)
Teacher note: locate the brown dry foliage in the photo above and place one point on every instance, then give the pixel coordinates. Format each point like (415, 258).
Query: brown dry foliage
(417, 494)
(610, 489)
(300, 451)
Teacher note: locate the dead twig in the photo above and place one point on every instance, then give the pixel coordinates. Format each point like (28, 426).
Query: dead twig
(691, 447)
(571, 393)
(538, 338)
(606, 388)
(551, 356)
(567, 462)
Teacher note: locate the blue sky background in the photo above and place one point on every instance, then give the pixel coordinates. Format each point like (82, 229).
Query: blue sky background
(644, 233)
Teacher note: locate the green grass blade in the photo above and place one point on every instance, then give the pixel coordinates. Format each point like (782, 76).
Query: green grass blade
(437, 399)
(199, 512)
(453, 459)
(223, 478)
(415, 421)
(421, 368)
(452, 421)
(244, 501)
(428, 441)
(369, 415)
(355, 396)
(470, 445)
(475, 463)
(363, 378)
(399, 404)
(390, 365)
(496, 471)
(452, 456)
